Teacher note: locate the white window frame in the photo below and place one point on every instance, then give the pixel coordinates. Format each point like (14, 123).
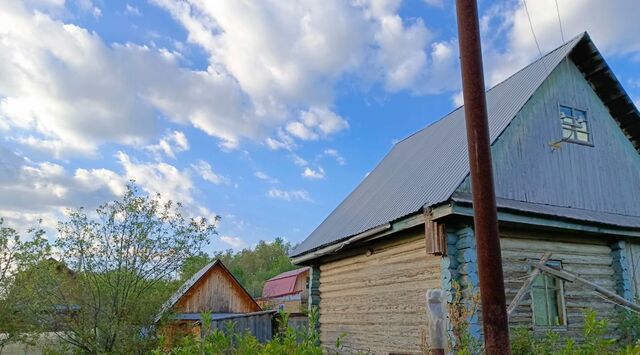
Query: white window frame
(574, 126)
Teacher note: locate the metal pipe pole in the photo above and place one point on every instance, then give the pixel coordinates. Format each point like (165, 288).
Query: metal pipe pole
(494, 311)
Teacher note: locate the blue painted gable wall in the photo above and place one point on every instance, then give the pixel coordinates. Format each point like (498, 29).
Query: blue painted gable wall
(603, 177)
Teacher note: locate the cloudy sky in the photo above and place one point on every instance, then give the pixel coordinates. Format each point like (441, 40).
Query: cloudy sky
(267, 113)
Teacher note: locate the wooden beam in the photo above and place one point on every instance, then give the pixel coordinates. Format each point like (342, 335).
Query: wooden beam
(533, 218)
(571, 277)
(527, 284)
(435, 235)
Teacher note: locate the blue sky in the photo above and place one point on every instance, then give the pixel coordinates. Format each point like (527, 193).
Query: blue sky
(267, 113)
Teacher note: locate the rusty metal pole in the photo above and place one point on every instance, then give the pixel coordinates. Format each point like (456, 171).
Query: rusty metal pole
(494, 311)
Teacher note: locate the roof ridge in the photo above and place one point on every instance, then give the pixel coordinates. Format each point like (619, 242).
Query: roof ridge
(496, 85)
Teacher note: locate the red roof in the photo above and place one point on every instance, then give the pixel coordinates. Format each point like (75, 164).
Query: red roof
(282, 284)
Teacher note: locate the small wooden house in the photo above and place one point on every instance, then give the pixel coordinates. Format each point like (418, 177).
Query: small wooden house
(214, 290)
(565, 143)
(287, 291)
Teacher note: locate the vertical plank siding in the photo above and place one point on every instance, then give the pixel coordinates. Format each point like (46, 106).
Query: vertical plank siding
(259, 325)
(528, 168)
(216, 292)
(588, 258)
(378, 301)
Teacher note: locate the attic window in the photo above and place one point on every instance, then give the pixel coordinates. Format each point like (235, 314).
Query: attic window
(575, 127)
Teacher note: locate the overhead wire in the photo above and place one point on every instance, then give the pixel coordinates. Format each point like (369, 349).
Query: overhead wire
(560, 22)
(526, 9)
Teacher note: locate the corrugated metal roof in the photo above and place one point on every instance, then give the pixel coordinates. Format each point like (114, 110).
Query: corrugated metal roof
(279, 287)
(427, 167)
(596, 217)
(295, 272)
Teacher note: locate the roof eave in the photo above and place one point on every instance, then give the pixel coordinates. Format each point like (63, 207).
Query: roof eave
(398, 225)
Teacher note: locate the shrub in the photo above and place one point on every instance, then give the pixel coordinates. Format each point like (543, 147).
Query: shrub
(287, 341)
(595, 341)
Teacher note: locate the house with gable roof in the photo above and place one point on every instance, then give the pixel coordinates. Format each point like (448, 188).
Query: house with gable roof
(215, 292)
(287, 291)
(566, 159)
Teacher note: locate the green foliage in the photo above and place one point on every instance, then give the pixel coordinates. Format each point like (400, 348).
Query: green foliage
(288, 341)
(629, 324)
(120, 262)
(17, 256)
(594, 341)
(252, 267)
(461, 310)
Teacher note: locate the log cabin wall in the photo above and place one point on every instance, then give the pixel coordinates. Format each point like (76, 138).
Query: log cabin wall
(377, 297)
(588, 257)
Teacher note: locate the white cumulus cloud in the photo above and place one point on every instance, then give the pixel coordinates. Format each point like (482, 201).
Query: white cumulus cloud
(264, 176)
(205, 171)
(312, 174)
(334, 154)
(235, 242)
(172, 143)
(290, 195)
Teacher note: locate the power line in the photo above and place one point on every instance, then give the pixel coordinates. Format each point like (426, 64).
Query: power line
(559, 21)
(531, 26)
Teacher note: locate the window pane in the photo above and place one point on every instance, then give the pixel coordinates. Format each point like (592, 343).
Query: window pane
(568, 121)
(567, 133)
(539, 306)
(580, 115)
(552, 304)
(582, 136)
(565, 111)
(551, 281)
(581, 125)
(538, 281)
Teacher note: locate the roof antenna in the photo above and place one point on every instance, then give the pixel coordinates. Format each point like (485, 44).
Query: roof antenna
(560, 22)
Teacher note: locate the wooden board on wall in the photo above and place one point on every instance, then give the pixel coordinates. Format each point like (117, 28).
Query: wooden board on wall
(378, 301)
(588, 258)
(216, 292)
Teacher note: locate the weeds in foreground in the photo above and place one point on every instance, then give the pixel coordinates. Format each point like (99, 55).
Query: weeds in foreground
(303, 341)
(461, 313)
(595, 341)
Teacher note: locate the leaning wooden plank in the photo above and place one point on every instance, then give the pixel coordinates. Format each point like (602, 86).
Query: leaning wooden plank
(571, 277)
(527, 284)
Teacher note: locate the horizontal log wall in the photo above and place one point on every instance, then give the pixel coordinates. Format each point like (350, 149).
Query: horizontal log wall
(378, 301)
(590, 259)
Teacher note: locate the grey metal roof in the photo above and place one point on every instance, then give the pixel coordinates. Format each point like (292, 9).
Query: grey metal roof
(597, 217)
(427, 167)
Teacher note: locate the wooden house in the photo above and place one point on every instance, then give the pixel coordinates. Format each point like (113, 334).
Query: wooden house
(565, 143)
(287, 291)
(215, 291)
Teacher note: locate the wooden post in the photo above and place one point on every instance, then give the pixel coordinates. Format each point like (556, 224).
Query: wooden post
(485, 214)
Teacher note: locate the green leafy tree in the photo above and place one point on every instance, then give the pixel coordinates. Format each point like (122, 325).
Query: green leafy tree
(252, 267)
(193, 264)
(17, 256)
(124, 258)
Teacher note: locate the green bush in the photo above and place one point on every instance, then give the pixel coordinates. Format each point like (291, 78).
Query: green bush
(595, 341)
(287, 341)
